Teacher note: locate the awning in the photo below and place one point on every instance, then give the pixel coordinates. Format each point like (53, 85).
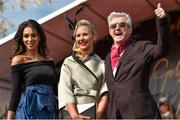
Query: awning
(59, 34)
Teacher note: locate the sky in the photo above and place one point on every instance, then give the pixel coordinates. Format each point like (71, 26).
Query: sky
(17, 15)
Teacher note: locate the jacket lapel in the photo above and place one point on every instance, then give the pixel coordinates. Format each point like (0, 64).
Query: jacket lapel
(109, 65)
(124, 56)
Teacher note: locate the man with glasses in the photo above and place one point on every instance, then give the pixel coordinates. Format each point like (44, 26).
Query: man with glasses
(128, 67)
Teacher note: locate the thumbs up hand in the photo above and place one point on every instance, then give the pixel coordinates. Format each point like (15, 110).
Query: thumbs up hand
(159, 11)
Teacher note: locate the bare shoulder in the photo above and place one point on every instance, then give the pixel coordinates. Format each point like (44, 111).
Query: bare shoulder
(18, 59)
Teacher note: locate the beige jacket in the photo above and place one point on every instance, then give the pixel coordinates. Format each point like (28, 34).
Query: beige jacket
(77, 85)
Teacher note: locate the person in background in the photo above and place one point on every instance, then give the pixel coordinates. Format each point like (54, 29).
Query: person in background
(78, 86)
(33, 68)
(165, 108)
(128, 67)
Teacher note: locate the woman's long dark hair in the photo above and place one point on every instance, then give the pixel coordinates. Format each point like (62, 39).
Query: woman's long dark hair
(19, 47)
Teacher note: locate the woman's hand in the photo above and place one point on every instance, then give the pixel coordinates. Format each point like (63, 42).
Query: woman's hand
(81, 117)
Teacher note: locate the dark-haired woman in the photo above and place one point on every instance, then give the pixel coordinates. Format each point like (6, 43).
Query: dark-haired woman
(32, 68)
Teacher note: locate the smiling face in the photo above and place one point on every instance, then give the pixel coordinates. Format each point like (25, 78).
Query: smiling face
(119, 30)
(30, 39)
(84, 38)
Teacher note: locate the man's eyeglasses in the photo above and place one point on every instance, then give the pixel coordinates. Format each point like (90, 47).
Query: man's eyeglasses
(120, 24)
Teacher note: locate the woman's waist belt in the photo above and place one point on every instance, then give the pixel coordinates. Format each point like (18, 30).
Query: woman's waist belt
(86, 92)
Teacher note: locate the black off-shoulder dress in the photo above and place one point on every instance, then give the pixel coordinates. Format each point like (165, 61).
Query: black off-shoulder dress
(36, 100)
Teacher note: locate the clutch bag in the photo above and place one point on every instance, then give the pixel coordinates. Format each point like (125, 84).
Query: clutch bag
(84, 109)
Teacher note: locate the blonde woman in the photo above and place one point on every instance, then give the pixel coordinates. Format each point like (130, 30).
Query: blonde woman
(79, 86)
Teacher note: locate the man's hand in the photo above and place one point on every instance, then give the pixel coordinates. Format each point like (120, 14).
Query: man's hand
(159, 11)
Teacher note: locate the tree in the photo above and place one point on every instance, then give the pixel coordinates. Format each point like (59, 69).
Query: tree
(4, 23)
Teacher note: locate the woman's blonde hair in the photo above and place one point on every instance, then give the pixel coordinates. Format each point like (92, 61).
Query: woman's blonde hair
(79, 52)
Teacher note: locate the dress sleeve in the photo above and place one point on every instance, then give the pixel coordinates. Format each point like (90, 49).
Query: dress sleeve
(16, 77)
(103, 87)
(65, 94)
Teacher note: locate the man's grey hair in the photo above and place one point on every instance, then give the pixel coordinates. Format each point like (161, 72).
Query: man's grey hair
(120, 14)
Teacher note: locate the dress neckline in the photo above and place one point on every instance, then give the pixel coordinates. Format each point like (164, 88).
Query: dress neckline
(32, 62)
